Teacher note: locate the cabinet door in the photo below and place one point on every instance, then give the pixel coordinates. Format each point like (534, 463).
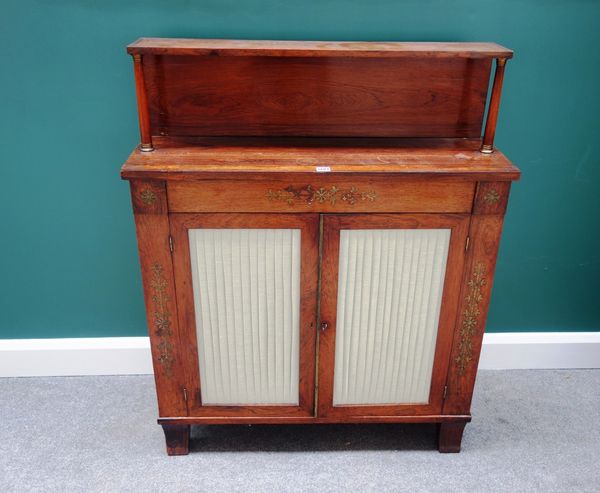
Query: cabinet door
(246, 295)
(389, 296)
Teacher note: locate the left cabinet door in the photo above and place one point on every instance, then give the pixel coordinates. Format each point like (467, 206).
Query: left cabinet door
(246, 288)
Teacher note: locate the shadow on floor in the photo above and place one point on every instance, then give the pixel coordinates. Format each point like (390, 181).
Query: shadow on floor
(294, 438)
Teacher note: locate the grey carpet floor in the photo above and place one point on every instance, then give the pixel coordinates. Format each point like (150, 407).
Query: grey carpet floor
(531, 431)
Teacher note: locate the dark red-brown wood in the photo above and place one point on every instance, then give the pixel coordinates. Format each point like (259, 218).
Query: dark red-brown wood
(450, 436)
(149, 200)
(290, 420)
(407, 151)
(142, 105)
(487, 145)
(177, 438)
(321, 193)
(245, 159)
(399, 97)
(484, 233)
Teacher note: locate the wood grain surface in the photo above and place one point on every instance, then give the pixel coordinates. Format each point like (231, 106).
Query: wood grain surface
(229, 47)
(321, 193)
(262, 96)
(235, 158)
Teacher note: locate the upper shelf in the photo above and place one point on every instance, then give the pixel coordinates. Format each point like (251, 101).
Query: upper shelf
(226, 47)
(233, 88)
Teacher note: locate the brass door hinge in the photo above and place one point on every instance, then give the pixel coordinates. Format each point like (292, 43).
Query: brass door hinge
(467, 243)
(171, 243)
(185, 394)
(445, 392)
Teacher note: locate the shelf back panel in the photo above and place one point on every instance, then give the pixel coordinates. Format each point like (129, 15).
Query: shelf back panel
(316, 96)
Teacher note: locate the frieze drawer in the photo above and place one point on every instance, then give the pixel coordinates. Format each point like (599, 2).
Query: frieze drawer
(321, 194)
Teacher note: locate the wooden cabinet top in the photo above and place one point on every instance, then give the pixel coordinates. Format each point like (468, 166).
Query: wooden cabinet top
(175, 159)
(208, 106)
(229, 47)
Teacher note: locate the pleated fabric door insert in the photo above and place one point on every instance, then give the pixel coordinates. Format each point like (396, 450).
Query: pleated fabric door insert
(389, 297)
(246, 285)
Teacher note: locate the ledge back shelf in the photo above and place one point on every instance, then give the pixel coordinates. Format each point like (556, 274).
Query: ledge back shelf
(227, 88)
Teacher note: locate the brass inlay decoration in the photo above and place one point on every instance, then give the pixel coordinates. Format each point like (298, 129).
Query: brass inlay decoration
(310, 195)
(491, 197)
(470, 317)
(148, 196)
(162, 319)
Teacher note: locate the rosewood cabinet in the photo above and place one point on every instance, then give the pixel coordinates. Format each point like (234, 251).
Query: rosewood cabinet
(318, 226)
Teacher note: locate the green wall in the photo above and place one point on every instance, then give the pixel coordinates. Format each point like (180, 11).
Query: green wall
(68, 260)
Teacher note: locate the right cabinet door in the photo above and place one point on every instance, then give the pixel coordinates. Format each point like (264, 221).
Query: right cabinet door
(389, 295)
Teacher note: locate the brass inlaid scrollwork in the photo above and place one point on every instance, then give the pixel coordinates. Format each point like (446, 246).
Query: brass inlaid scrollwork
(491, 197)
(162, 319)
(470, 317)
(310, 195)
(148, 196)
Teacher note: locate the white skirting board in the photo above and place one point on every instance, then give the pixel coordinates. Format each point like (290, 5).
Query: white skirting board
(79, 356)
(540, 350)
(131, 355)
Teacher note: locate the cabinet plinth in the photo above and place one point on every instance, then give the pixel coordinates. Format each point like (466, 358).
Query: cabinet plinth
(316, 249)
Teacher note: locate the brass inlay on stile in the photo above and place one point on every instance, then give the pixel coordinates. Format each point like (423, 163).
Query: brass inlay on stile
(148, 196)
(470, 317)
(491, 197)
(162, 319)
(310, 195)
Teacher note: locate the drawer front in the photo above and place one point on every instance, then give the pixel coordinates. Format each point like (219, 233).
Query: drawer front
(321, 194)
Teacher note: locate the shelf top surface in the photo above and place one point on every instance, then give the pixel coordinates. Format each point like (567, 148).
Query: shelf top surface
(199, 157)
(228, 47)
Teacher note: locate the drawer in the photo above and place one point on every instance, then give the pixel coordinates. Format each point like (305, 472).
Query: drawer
(321, 194)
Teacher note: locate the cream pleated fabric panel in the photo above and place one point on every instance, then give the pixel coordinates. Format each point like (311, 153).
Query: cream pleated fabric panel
(247, 300)
(389, 296)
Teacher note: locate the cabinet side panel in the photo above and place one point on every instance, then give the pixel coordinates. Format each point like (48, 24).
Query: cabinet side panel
(246, 285)
(389, 297)
(152, 228)
(485, 230)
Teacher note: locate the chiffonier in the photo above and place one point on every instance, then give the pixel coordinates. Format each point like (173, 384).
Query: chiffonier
(318, 224)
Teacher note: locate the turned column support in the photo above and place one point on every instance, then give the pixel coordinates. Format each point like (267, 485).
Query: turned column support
(142, 104)
(487, 144)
